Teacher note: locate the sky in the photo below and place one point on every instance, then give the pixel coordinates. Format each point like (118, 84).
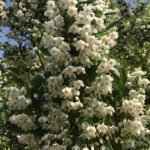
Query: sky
(5, 30)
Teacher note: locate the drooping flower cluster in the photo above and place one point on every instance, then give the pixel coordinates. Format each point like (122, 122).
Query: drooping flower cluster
(72, 55)
(18, 102)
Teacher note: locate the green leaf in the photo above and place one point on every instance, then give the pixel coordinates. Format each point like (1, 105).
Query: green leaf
(119, 83)
(123, 75)
(37, 81)
(115, 72)
(3, 116)
(98, 13)
(16, 77)
(114, 23)
(118, 90)
(148, 91)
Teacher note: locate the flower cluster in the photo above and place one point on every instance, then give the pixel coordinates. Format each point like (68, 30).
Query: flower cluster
(136, 126)
(106, 65)
(74, 48)
(27, 139)
(95, 107)
(23, 121)
(51, 121)
(80, 103)
(17, 99)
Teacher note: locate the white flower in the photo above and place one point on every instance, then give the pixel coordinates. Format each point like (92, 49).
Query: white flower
(76, 147)
(110, 110)
(67, 93)
(85, 148)
(80, 45)
(138, 73)
(56, 146)
(133, 93)
(51, 4)
(2, 9)
(141, 98)
(112, 63)
(102, 67)
(70, 72)
(20, 13)
(72, 11)
(90, 132)
(102, 128)
(128, 144)
(86, 30)
(114, 35)
(59, 21)
(74, 105)
(106, 65)
(144, 82)
(103, 85)
(100, 23)
(91, 40)
(55, 85)
(72, 2)
(43, 119)
(55, 52)
(113, 129)
(50, 25)
(78, 84)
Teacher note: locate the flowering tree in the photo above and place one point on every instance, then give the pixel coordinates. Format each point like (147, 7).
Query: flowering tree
(61, 85)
